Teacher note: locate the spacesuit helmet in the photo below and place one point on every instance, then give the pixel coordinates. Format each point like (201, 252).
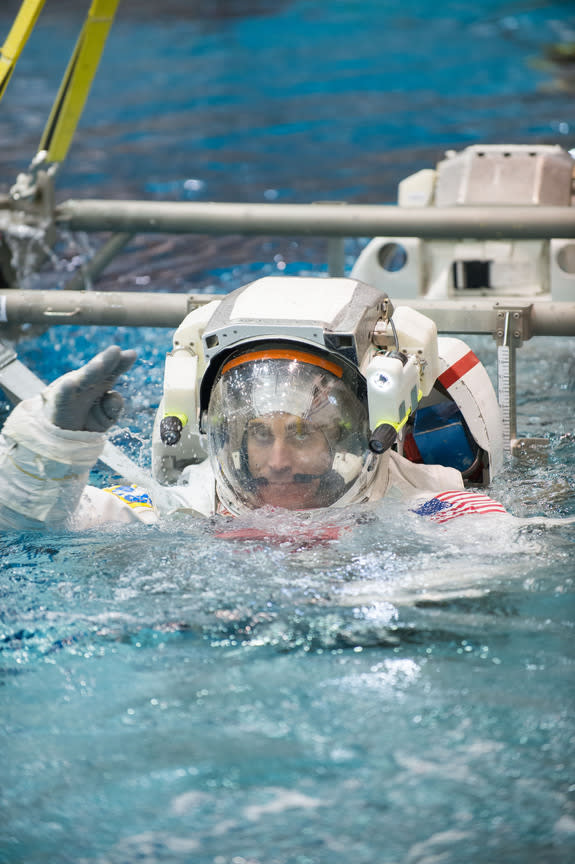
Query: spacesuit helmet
(287, 426)
(295, 387)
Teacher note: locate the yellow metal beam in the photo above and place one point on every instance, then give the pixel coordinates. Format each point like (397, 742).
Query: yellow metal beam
(17, 38)
(77, 81)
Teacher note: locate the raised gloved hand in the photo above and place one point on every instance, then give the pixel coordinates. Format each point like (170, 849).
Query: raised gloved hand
(83, 400)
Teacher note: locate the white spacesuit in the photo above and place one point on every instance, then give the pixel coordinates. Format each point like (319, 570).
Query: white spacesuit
(289, 393)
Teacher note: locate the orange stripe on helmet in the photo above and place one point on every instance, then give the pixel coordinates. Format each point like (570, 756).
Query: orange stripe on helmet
(284, 354)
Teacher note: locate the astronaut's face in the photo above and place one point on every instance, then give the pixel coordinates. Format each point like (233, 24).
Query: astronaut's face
(287, 456)
(285, 430)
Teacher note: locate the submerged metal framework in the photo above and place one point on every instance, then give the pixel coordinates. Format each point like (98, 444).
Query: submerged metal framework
(510, 321)
(30, 220)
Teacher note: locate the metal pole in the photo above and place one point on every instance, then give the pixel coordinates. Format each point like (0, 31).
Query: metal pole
(15, 378)
(329, 220)
(481, 315)
(553, 319)
(97, 307)
(92, 269)
(336, 256)
(144, 309)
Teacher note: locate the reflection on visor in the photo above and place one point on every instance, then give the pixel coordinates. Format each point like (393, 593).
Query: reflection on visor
(283, 354)
(284, 430)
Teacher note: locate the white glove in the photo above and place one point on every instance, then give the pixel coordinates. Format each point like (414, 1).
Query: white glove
(83, 400)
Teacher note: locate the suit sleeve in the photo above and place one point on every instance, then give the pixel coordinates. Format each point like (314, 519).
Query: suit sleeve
(43, 469)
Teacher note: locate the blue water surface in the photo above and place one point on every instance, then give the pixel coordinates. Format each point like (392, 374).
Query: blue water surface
(400, 695)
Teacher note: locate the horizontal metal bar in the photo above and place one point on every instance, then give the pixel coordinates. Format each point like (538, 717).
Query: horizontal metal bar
(553, 319)
(131, 309)
(135, 309)
(484, 316)
(322, 219)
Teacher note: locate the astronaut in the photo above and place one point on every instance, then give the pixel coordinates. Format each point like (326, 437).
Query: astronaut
(291, 393)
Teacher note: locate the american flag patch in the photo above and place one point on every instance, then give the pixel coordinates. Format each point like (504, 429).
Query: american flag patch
(449, 505)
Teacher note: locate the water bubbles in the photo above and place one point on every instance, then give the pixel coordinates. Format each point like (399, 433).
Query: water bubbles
(193, 185)
(187, 189)
(509, 23)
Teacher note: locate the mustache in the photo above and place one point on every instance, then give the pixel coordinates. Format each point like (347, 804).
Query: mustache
(255, 483)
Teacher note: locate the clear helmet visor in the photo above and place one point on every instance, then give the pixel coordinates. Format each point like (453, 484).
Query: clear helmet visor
(285, 430)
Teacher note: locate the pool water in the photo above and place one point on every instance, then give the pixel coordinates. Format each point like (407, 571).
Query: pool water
(391, 696)
(400, 695)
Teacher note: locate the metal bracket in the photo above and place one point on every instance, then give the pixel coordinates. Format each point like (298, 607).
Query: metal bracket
(513, 322)
(34, 189)
(380, 335)
(27, 228)
(513, 327)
